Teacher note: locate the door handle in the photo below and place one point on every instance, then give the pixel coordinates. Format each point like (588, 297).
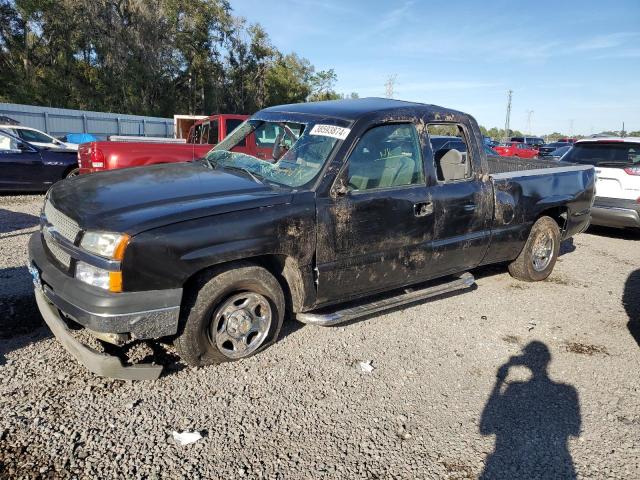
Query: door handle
(469, 207)
(422, 209)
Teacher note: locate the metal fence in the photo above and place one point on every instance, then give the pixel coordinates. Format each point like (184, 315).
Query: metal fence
(60, 121)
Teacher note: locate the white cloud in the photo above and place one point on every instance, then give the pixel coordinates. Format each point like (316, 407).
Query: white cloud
(601, 42)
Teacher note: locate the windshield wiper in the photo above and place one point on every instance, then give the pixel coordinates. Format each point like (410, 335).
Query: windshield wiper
(245, 170)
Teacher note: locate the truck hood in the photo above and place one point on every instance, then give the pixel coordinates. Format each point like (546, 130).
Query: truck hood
(133, 200)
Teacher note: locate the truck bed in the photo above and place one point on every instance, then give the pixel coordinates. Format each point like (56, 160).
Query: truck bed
(514, 164)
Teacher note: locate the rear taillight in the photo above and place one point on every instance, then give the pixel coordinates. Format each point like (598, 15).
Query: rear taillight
(632, 170)
(97, 158)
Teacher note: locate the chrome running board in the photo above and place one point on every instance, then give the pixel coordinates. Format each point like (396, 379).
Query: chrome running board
(464, 280)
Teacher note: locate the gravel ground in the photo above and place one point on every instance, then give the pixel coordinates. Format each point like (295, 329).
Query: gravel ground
(509, 380)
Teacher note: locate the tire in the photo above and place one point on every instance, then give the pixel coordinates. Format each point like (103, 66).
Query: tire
(74, 172)
(217, 323)
(531, 265)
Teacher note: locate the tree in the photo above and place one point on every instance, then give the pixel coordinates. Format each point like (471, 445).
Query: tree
(322, 86)
(288, 80)
(149, 57)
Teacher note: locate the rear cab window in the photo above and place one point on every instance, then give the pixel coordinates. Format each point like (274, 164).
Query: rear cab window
(451, 157)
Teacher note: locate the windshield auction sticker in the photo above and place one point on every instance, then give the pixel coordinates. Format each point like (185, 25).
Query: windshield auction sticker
(330, 131)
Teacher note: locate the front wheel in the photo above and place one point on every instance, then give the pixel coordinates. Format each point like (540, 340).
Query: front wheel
(230, 314)
(539, 255)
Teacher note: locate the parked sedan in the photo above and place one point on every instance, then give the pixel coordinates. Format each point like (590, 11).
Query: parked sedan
(558, 153)
(516, 149)
(549, 148)
(36, 137)
(25, 167)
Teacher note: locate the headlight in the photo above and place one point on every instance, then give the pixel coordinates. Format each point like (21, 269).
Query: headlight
(105, 244)
(98, 277)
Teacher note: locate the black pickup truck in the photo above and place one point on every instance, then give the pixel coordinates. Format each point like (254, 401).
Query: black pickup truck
(354, 211)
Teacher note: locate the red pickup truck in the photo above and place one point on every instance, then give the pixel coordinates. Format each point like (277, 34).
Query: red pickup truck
(203, 135)
(516, 149)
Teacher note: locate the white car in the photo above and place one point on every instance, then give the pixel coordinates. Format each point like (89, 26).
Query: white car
(37, 138)
(617, 164)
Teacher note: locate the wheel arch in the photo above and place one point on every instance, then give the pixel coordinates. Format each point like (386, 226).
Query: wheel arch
(559, 214)
(284, 268)
(69, 169)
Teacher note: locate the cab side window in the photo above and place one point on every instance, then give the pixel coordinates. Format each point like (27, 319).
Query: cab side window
(213, 133)
(204, 133)
(386, 156)
(450, 152)
(8, 144)
(33, 136)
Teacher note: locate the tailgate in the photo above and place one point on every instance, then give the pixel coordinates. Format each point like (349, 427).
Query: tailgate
(84, 157)
(616, 183)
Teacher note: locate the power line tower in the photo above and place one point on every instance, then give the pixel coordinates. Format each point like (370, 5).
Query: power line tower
(508, 119)
(529, 115)
(390, 84)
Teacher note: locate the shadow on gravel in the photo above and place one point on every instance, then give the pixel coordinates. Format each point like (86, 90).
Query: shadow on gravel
(19, 315)
(489, 270)
(631, 302)
(531, 420)
(12, 221)
(567, 247)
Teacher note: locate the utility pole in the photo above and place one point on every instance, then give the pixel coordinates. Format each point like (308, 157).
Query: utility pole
(529, 115)
(623, 133)
(508, 119)
(571, 127)
(390, 84)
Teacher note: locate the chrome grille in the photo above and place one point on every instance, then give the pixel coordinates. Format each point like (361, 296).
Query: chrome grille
(65, 226)
(58, 253)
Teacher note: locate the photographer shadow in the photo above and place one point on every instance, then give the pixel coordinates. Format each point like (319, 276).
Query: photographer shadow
(532, 421)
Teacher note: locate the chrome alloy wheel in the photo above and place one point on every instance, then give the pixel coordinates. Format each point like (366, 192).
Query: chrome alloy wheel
(542, 252)
(241, 324)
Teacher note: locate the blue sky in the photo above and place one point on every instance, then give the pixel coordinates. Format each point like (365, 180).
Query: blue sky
(572, 63)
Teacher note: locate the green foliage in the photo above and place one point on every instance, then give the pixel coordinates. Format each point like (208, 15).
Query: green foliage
(322, 86)
(148, 57)
(499, 133)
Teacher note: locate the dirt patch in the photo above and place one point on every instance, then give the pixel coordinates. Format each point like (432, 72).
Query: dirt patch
(458, 470)
(513, 339)
(586, 349)
(558, 280)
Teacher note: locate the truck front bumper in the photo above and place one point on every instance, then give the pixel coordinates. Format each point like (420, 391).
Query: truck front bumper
(139, 315)
(613, 212)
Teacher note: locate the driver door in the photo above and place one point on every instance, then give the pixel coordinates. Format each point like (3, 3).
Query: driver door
(20, 164)
(376, 233)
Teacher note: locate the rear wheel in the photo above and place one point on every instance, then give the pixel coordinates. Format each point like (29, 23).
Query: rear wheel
(73, 173)
(539, 255)
(230, 314)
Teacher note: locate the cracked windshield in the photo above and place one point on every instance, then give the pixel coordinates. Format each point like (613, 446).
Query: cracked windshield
(288, 154)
